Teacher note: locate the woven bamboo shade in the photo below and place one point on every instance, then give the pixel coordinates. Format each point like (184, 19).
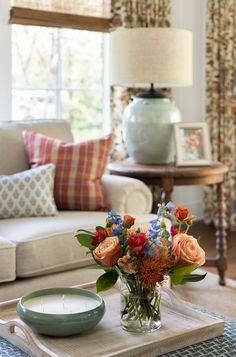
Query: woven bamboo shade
(90, 15)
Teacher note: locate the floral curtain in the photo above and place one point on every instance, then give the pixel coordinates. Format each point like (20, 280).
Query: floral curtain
(130, 14)
(221, 99)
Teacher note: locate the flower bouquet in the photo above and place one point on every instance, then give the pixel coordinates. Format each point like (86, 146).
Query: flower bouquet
(143, 255)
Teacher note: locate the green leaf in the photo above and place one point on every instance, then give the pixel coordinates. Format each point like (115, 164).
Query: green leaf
(178, 272)
(100, 266)
(84, 231)
(106, 281)
(97, 266)
(99, 227)
(194, 277)
(85, 240)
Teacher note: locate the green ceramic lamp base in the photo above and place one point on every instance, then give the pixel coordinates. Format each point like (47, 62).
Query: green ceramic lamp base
(148, 124)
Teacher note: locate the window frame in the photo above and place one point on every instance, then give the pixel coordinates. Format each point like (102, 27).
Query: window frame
(6, 85)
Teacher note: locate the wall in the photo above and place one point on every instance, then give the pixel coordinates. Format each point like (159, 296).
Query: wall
(190, 14)
(5, 58)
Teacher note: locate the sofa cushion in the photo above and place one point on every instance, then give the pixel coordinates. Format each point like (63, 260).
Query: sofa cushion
(13, 155)
(7, 260)
(47, 244)
(28, 193)
(79, 168)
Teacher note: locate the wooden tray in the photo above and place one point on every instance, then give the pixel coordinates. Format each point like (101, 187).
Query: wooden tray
(181, 326)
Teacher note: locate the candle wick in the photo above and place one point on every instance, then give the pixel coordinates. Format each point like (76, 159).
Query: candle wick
(63, 303)
(42, 306)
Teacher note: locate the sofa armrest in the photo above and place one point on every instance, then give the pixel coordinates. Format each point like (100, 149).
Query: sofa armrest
(126, 194)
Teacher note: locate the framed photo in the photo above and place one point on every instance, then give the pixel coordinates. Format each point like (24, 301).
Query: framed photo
(192, 144)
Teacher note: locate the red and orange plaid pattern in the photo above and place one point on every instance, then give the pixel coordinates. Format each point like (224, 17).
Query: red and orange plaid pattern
(79, 168)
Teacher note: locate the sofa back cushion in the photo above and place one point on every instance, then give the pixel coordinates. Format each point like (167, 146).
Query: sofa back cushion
(13, 157)
(79, 168)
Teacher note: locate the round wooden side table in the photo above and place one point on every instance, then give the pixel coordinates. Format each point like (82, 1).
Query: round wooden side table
(168, 176)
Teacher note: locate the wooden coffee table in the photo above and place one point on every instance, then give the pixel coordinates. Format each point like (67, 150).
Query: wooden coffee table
(168, 176)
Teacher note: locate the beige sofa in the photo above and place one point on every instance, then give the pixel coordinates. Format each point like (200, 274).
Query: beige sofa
(42, 246)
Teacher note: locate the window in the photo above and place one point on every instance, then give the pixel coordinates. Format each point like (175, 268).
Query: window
(60, 73)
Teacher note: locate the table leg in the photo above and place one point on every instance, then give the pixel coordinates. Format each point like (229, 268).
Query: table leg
(221, 242)
(156, 195)
(167, 186)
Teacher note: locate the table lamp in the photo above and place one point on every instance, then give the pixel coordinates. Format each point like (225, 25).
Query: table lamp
(155, 56)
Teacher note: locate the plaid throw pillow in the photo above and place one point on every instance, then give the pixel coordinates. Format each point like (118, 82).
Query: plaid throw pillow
(79, 168)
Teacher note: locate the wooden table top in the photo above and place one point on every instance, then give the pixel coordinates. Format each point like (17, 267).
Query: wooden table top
(130, 168)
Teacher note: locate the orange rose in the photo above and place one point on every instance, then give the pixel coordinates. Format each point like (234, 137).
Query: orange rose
(108, 251)
(187, 250)
(181, 213)
(128, 221)
(189, 219)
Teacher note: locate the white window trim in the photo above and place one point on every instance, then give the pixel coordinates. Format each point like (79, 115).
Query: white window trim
(58, 79)
(106, 86)
(5, 65)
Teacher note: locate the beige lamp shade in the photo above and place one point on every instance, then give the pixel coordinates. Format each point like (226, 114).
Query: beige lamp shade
(151, 55)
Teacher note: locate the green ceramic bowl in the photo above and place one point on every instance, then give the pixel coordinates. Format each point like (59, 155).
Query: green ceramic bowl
(61, 311)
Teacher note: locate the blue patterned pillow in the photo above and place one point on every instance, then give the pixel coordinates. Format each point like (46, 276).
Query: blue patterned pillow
(28, 193)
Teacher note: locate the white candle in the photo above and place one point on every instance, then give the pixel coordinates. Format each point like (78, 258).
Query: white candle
(61, 304)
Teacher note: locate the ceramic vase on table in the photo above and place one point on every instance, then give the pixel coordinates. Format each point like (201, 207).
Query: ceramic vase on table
(140, 307)
(148, 127)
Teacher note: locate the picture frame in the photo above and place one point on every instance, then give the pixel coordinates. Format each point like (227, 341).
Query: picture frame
(192, 144)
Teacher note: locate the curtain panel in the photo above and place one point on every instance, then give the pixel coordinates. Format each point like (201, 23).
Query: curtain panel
(131, 14)
(221, 99)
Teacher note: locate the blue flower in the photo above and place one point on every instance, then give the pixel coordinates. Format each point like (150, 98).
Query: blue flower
(111, 213)
(170, 206)
(116, 220)
(165, 210)
(117, 231)
(114, 217)
(155, 225)
(159, 241)
(152, 234)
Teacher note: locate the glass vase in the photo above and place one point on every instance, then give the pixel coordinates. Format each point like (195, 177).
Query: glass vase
(140, 307)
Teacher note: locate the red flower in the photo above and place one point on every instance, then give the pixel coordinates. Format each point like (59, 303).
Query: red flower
(176, 230)
(100, 235)
(137, 242)
(128, 221)
(181, 213)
